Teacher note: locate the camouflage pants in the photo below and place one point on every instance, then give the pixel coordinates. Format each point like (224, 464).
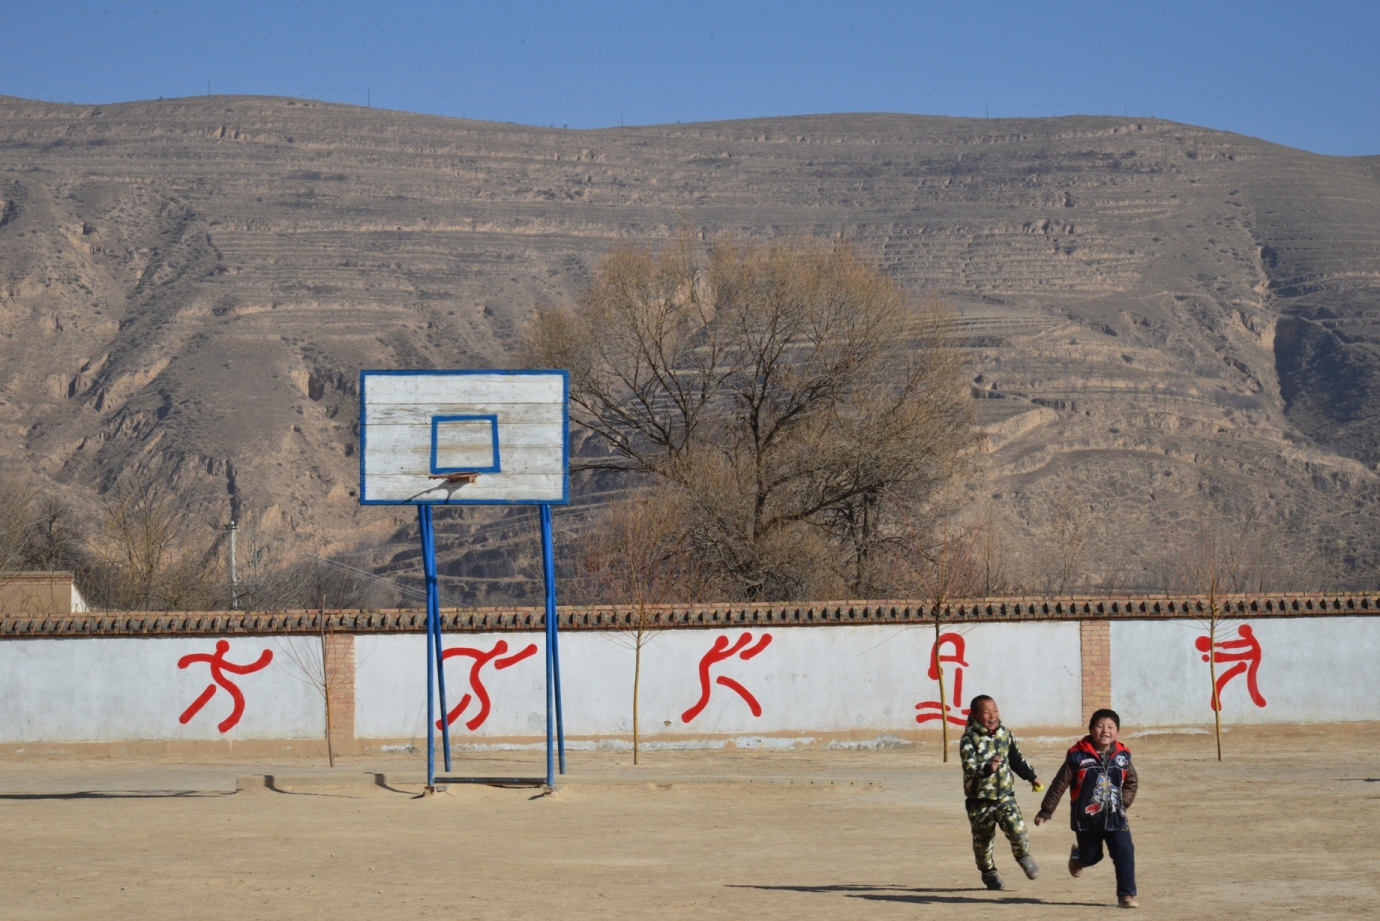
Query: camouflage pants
(985, 817)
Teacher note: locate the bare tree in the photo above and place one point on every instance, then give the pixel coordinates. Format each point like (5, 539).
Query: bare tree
(1214, 559)
(794, 393)
(17, 500)
(990, 564)
(53, 541)
(635, 558)
(938, 566)
(325, 584)
(1065, 553)
(315, 662)
(144, 556)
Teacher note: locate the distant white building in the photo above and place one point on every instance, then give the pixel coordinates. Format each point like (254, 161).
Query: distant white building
(40, 593)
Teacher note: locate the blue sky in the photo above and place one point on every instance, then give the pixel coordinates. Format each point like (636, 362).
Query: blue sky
(1302, 74)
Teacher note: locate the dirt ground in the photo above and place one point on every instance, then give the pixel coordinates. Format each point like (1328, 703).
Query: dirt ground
(1284, 827)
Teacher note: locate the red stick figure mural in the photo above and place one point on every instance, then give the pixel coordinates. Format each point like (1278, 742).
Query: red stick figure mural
(218, 669)
(720, 651)
(933, 709)
(476, 685)
(1245, 652)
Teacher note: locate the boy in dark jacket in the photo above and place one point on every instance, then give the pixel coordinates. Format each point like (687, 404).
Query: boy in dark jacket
(989, 755)
(1102, 783)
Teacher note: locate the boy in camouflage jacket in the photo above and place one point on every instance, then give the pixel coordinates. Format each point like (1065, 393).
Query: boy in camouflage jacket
(990, 756)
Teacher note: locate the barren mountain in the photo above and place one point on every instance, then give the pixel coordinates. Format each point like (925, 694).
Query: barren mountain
(1164, 321)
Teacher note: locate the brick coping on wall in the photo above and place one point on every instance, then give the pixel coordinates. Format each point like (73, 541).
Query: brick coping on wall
(682, 617)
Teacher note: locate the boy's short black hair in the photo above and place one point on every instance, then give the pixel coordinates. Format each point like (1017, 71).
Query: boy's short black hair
(1104, 714)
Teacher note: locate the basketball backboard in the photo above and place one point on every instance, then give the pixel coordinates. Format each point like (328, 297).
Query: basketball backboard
(464, 438)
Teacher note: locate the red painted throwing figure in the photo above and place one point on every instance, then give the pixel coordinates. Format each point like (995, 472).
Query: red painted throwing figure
(720, 651)
(931, 709)
(476, 685)
(218, 669)
(1245, 652)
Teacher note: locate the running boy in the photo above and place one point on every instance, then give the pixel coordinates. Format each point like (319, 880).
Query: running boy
(989, 755)
(1104, 785)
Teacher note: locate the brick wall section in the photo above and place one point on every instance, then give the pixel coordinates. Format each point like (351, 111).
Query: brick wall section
(340, 681)
(1095, 642)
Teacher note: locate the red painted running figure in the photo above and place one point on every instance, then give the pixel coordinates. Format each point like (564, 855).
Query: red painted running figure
(1245, 652)
(476, 684)
(218, 669)
(720, 651)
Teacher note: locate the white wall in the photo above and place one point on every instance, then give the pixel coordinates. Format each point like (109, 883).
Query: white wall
(99, 689)
(807, 680)
(1311, 670)
(813, 679)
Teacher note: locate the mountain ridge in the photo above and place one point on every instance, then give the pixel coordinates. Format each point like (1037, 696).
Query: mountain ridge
(1164, 321)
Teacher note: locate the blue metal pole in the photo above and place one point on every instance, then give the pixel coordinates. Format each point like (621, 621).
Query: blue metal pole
(553, 626)
(423, 522)
(550, 767)
(433, 620)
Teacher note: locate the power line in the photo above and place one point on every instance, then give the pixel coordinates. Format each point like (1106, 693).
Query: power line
(403, 589)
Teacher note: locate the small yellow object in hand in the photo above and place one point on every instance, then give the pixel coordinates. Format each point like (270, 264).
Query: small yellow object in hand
(1037, 786)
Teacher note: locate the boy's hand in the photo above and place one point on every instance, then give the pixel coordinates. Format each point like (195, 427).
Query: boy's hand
(1037, 786)
(1041, 818)
(994, 765)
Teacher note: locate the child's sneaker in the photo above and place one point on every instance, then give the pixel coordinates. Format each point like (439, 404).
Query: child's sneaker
(1032, 870)
(1127, 901)
(992, 881)
(1075, 868)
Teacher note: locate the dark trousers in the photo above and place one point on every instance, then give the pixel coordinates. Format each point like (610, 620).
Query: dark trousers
(1123, 853)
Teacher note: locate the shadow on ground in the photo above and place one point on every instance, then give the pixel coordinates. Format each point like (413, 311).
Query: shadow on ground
(921, 896)
(116, 794)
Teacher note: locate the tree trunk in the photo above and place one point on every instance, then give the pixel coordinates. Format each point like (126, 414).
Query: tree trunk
(637, 678)
(326, 692)
(943, 702)
(1212, 675)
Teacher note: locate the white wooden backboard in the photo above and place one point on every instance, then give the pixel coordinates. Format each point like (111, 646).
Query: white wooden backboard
(511, 428)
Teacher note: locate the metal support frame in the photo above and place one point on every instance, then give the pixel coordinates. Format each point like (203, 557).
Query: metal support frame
(435, 664)
(553, 648)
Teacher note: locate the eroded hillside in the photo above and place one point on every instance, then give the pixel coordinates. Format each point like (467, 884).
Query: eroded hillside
(1162, 319)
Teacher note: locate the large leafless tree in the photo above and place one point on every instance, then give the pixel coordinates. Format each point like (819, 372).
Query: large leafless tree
(792, 392)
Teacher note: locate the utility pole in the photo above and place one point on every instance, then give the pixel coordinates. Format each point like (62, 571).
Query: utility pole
(234, 580)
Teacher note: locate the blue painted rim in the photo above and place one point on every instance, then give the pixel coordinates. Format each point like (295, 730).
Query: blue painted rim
(438, 421)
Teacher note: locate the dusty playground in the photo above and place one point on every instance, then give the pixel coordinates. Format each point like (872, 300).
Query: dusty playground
(1285, 827)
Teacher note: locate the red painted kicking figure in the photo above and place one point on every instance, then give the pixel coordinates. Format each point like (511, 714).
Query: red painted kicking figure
(1245, 652)
(476, 684)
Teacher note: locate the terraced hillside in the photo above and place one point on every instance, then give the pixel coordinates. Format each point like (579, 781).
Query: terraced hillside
(1163, 320)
